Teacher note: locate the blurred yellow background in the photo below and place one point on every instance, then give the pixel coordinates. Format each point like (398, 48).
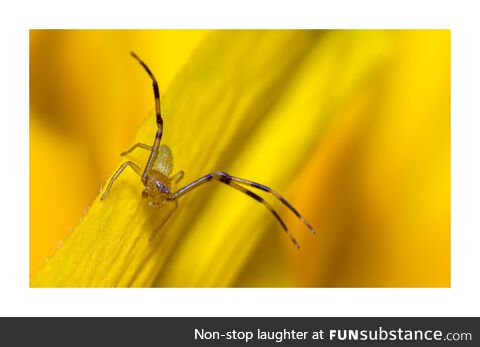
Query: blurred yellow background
(375, 181)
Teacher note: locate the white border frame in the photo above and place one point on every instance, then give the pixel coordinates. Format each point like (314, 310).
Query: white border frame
(16, 299)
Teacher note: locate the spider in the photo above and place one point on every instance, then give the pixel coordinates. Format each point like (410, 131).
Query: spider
(157, 179)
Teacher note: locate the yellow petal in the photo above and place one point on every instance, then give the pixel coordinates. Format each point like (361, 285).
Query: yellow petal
(51, 187)
(218, 102)
(378, 183)
(84, 111)
(319, 116)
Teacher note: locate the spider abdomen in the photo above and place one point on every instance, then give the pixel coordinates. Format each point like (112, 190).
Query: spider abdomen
(164, 161)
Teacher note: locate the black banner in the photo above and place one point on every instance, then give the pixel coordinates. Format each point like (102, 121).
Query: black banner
(240, 331)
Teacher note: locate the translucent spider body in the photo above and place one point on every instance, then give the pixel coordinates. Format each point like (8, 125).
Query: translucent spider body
(158, 182)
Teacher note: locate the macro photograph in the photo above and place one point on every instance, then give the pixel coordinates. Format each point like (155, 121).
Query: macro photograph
(239, 158)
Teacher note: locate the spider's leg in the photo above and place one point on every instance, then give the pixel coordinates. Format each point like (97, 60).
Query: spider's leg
(192, 185)
(177, 177)
(158, 136)
(135, 168)
(278, 196)
(226, 178)
(156, 91)
(141, 145)
(267, 205)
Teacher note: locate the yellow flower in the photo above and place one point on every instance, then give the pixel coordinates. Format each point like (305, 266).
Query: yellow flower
(351, 126)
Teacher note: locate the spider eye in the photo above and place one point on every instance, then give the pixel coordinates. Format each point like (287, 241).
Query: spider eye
(144, 194)
(162, 188)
